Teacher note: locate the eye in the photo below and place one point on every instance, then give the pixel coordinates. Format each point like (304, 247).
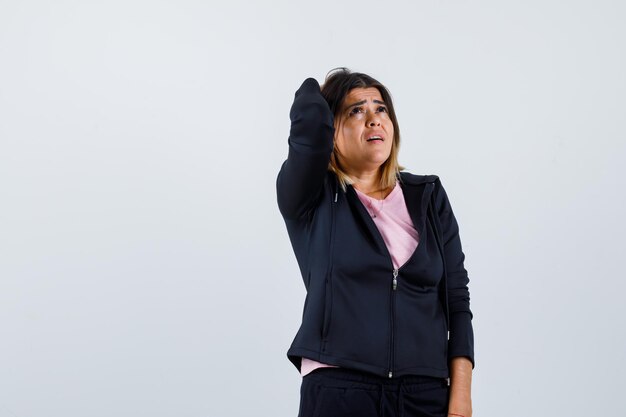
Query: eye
(356, 110)
(382, 108)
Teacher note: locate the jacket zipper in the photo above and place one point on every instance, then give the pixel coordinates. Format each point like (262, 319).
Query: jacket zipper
(394, 286)
(395, 279)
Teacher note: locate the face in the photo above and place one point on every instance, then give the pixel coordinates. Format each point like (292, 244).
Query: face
(363, 130)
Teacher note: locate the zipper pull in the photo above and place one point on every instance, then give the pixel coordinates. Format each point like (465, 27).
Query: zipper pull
(395, 279)
(448, 334)
(390, 374)
(336, 192)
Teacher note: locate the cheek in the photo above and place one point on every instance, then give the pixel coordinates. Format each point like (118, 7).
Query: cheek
(345, 137)
(351, 133)
(390, 129)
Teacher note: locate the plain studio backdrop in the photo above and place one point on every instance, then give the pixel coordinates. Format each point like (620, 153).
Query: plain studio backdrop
(145, 269)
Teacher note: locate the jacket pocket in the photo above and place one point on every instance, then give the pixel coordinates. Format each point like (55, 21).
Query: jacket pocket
(328, 304)
(446, 333)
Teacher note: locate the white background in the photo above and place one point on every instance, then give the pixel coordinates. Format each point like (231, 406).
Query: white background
(145, 269)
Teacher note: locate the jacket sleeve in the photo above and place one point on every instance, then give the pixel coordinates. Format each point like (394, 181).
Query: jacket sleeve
(461, 341)
(301, 178)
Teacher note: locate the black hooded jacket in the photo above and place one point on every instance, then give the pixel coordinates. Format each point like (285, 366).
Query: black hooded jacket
(359, 311)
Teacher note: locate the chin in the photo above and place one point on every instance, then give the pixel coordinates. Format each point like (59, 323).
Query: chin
(380, 159)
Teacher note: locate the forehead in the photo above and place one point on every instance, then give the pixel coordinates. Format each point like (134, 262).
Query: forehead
(359, 94)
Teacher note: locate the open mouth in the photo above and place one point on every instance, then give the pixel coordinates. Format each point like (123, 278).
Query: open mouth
(373, 138)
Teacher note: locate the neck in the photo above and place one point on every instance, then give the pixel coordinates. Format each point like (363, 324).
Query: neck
(366, 181)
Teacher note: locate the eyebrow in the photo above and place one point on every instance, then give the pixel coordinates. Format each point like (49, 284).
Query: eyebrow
(363, 102)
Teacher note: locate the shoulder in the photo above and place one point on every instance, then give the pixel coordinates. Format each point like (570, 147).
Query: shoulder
(416, 179)
(438, 194)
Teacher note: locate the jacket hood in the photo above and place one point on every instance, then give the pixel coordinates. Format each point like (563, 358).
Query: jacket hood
(414, 179)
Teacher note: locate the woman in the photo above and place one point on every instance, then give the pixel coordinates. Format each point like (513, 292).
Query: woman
(386, 328)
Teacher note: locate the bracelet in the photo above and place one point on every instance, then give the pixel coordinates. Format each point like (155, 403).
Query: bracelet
(454, 414)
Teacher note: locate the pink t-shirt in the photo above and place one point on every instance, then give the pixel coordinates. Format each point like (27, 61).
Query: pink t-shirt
(392, 218)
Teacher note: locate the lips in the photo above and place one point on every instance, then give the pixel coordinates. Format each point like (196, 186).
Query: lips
(376, 136)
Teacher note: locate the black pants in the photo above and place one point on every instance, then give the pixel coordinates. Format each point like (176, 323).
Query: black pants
(340, 392)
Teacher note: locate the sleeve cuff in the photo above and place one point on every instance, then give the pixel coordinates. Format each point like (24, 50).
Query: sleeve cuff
(461, 341)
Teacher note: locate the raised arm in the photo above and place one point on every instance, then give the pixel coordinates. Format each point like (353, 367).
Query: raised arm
(301, 177)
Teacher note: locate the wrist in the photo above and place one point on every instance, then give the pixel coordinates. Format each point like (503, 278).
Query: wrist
(458, 408)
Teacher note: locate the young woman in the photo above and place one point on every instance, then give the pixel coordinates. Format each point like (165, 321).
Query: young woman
(386, 328)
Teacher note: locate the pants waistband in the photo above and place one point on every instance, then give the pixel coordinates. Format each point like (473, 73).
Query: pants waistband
(356, 376)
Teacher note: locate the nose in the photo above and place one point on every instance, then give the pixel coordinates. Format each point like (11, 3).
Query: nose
(373, 121)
